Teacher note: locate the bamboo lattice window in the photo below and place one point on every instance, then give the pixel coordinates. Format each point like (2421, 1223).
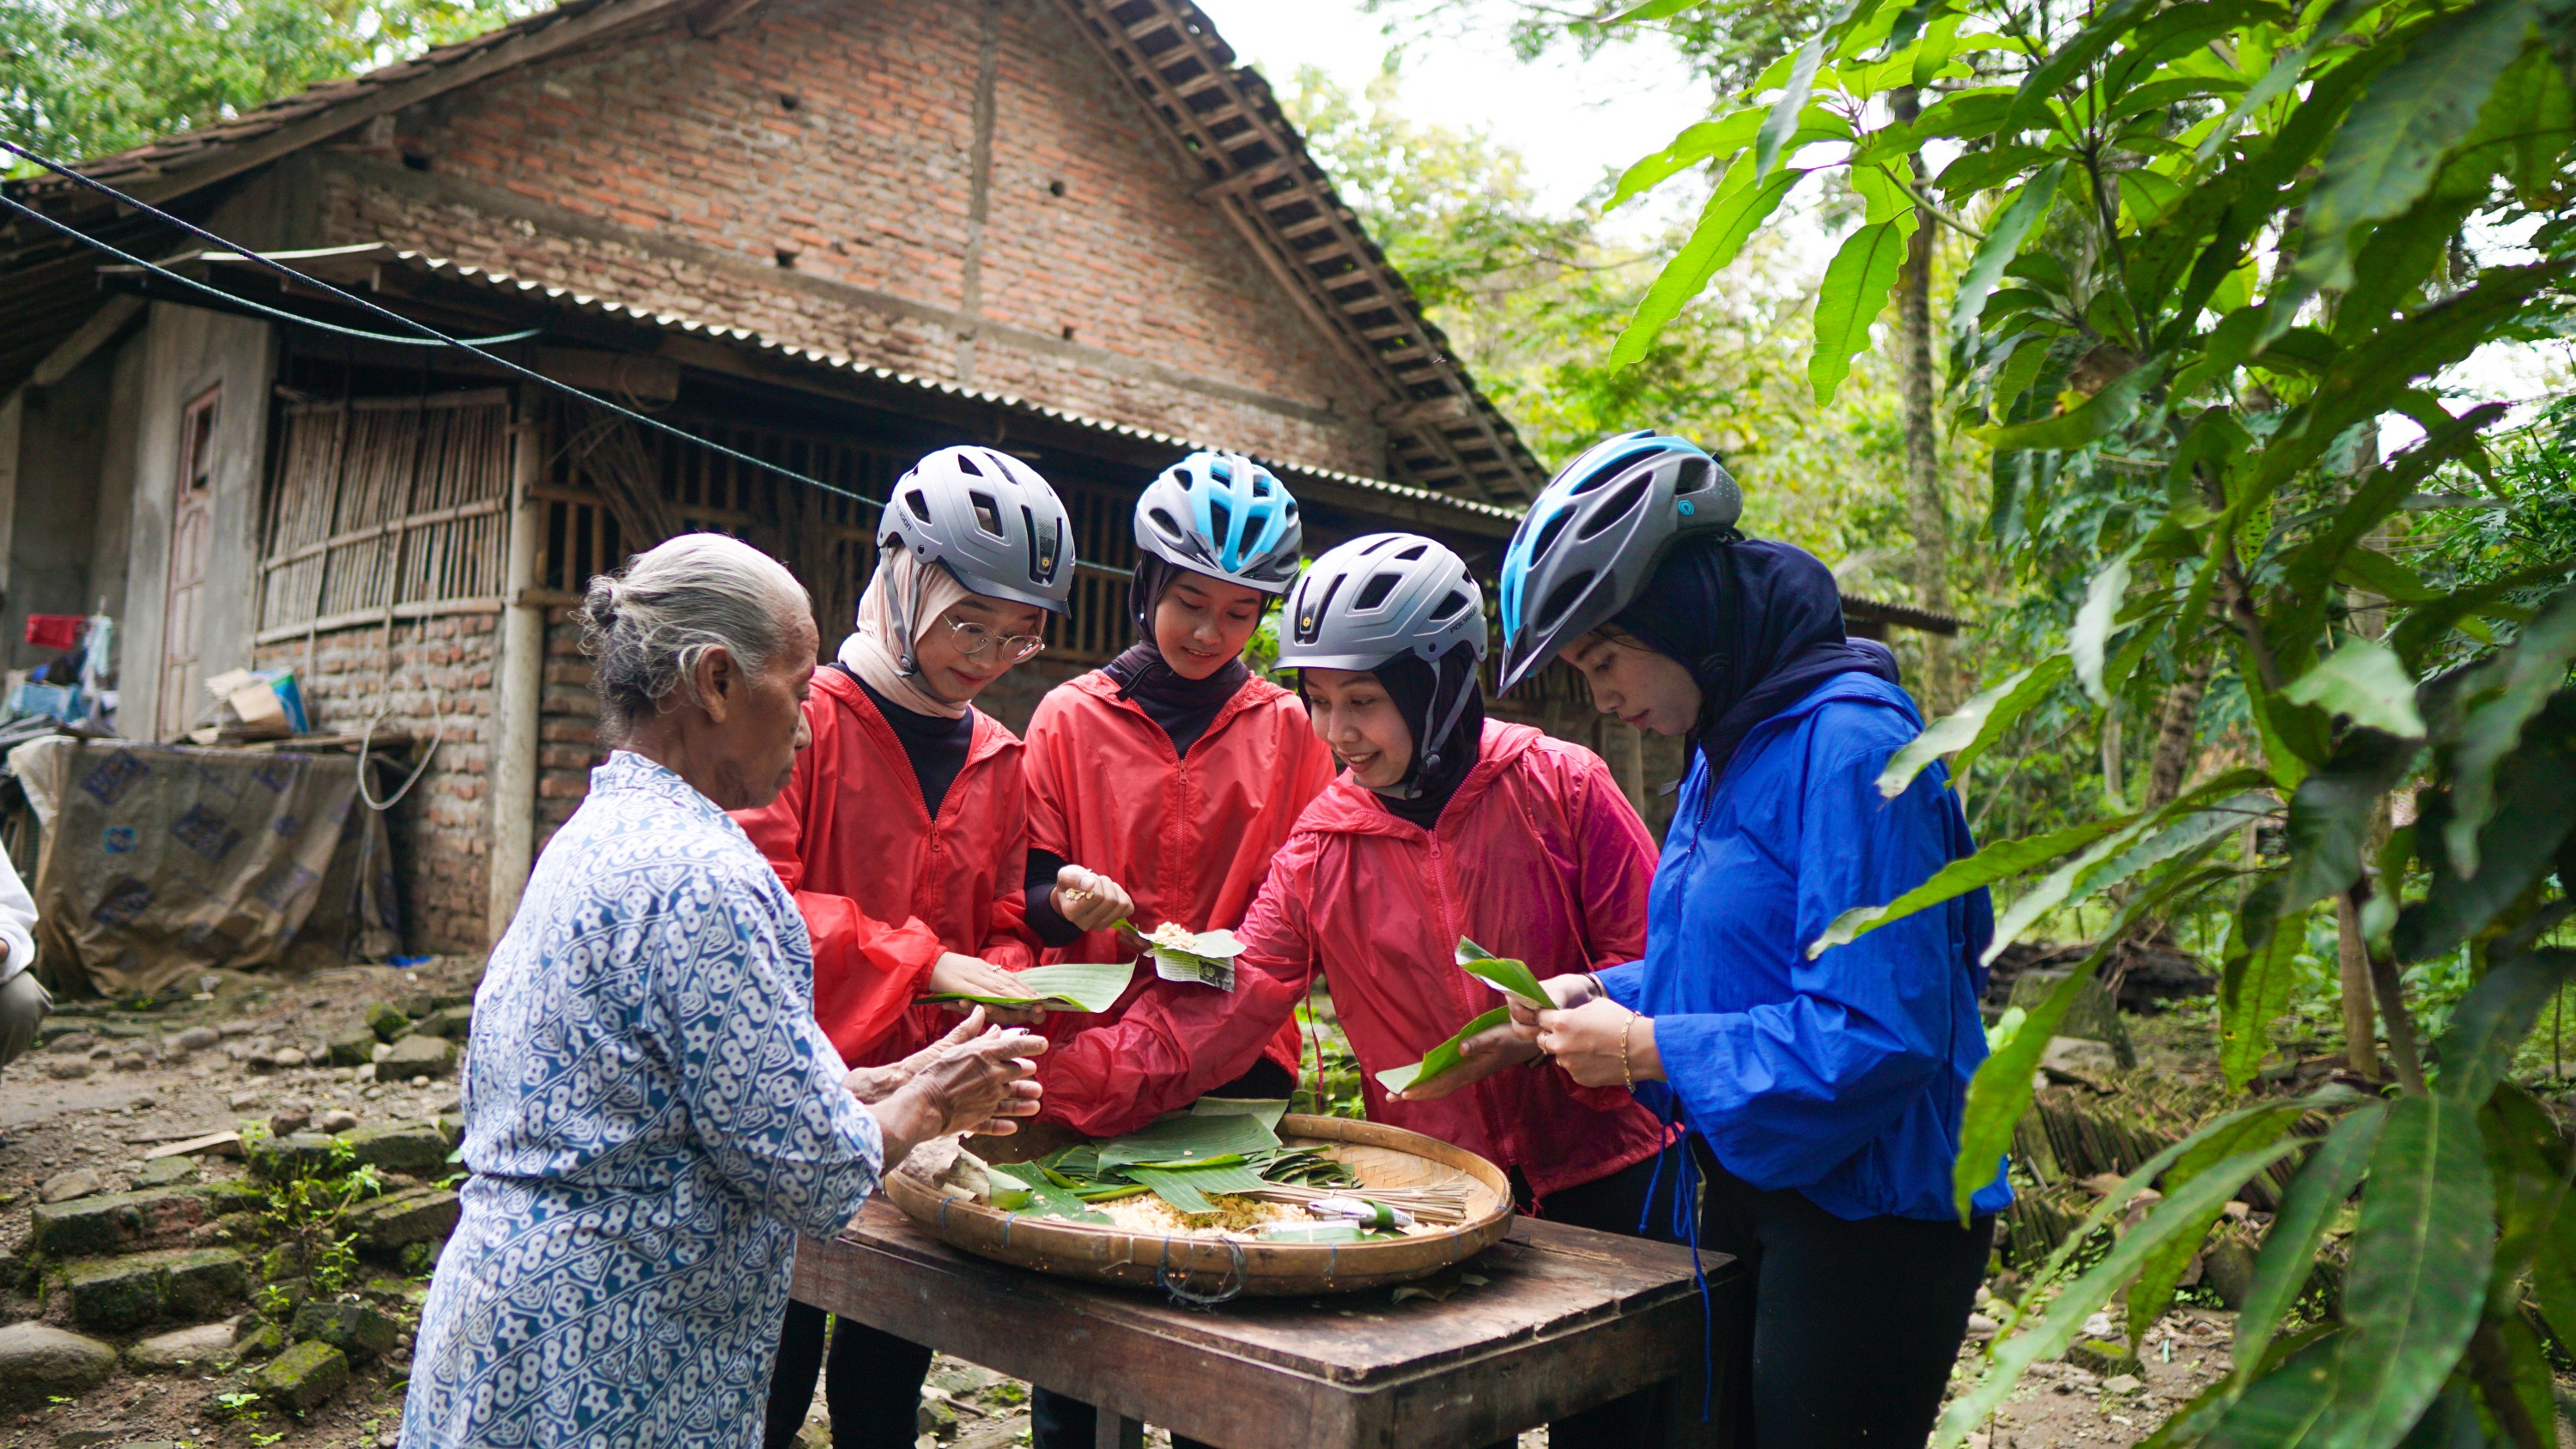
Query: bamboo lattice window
(385, 508)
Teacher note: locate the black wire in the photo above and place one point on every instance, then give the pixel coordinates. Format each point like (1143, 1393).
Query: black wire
(290, 274)
(231, 300)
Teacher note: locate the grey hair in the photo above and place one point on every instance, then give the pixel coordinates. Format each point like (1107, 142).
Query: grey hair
(647, 629)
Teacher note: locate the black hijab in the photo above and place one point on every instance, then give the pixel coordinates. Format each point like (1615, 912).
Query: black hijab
(1183, 706)
(1758, 624)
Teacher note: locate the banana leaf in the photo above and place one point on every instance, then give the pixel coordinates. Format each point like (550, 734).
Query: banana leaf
(1317, 1233)
(1513, 978)
(1442, 1057)
(1267, 1111)
(1187, 1138)
(1022, 1187)
(1093, 986)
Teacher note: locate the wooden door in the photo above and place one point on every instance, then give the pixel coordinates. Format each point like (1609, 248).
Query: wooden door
(192, 527)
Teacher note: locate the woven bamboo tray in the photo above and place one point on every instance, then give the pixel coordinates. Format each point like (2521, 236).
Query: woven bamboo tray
(1208, 1268)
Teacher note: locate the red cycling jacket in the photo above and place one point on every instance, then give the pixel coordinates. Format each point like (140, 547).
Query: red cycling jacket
(1190, 839)
(883, 888)
(1537, 856)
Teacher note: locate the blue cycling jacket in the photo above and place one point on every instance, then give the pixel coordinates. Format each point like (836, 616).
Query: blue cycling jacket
(1844, 1076)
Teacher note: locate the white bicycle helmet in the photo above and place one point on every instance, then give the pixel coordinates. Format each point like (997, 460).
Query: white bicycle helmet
(1223, 515)
(1595, 534)
(991, 520)
(1376, 597)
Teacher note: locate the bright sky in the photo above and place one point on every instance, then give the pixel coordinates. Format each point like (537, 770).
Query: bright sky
(1572, 119)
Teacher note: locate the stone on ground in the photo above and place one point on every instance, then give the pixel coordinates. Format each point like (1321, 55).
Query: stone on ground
(336, 1121)
(181, 1348)
(116, 1222)
(266, 1341)
(198, 1038)
(360, 1330)
(65, 1186)
(293, 1155)
(387, 1021)
(451, 1022)
(38, 1359)
(303, 1376)
(167, 1172)
(2123, 1384)
(398, 1220)
(114, 1294)
(352, 1048)
(418, 1055)
(414, 1147)
(290, 1118)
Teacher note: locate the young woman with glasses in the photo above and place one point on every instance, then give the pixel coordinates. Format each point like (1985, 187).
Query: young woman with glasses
(904, 830)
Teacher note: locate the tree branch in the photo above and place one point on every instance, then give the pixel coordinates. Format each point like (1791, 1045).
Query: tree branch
(2392, 1000)
(1934, 209)
(2492, 1367)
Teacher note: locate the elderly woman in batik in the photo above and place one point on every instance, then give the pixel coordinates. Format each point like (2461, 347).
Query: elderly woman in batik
(651, 1114)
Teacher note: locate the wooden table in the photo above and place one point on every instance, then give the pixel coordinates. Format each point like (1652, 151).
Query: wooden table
(1568, 1318)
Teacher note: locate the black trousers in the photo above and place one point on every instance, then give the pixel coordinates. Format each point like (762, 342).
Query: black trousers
(1836, 1332)
(871, 1382)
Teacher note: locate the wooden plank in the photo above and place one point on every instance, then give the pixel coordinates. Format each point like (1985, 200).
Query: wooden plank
(1569, 1318)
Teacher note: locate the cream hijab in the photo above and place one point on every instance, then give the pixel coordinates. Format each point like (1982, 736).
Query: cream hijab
(903, 597)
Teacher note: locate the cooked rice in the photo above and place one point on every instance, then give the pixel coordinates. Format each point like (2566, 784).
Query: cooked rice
(1173, 934)
(1238, 1218)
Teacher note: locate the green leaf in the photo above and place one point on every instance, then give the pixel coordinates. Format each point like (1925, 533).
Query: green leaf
(1777, 126)
(2288, 1256)
(2099, 415)
(2286, 1408)
(1032, 1193)
(2538, 787)
(2513, 689)
(2365, 682)
(2427, 625)
(2111, 22)
(1442, 1057)
(2418, 108)
(1265, 1110)
(2330, 815)
(1973, 725)
(1512, 978)
(1189, 1138)
(2003, 241)
(1738, 207)
(2093, 623)
(2254, 983)
(2286, 69)
(1092, 986)
(2079, 1299)
(1698, 142)
(1994, 863)
(2490, 1023)
(2163, 1268)
(2419, 1268)
(1855, 291)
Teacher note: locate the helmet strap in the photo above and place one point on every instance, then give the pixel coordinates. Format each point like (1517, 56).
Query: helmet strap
(1429, 758)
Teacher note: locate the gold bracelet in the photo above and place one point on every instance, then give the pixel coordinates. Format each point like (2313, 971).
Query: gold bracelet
(1627, 1078)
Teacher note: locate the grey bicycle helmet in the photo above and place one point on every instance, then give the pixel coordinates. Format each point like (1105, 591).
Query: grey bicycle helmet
(1376, 597)
(1595, 534)
(1223, 515)
(991, 520)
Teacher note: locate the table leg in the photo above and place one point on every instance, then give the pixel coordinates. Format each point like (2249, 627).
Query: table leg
(1117, 1431)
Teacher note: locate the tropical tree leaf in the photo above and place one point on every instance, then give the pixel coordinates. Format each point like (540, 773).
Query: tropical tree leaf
(1772, 139)
(2003, 242)
(1738, 207)
(2427, 625)
(2330, 817)
(2515, 688)
(2255, 978)
(2162, 1270)
(2094, 420)
(2420, 1255)
(2078, 1300)
(1975, 725)
(2365, 682)
(2110, 24)
(2286, 69)
(2490, 1023)
(2285, 1408)
(2093, 623)
(1994, 863)
(1855, 291)
(2517, 847)
(2418, 108)
(2289, 1253)
(1700, 141)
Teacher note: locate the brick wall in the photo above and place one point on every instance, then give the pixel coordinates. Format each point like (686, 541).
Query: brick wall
(433, 680)
(567, 726)
(835, 140)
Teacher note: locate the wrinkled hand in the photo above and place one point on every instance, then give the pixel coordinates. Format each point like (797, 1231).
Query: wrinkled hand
(874, 1084)
(973, 976)
(977, 1085)
(1089, 899)
(1485, 1053)
(1570, 991)
(1586, 1041)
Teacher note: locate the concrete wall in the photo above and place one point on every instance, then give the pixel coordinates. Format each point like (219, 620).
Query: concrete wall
(821, 174)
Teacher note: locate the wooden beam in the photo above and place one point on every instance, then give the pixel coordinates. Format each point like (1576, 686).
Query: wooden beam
(714, 16)
(102, 326)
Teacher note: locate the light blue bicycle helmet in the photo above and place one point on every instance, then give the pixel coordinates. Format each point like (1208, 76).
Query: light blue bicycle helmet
(1223, 515)
(1595, 534)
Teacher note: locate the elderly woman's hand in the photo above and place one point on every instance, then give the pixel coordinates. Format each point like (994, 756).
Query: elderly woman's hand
(1089, 899)
(956, 975)
(1602, 1044)
(874, 1084)
(979, 1085)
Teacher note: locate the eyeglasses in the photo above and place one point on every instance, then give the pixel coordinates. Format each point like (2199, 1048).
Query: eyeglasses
(972, 639)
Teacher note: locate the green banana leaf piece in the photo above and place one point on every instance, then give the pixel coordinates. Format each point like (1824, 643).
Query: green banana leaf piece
(1022, 1187)
(1442, 1057)
(1315, 1233)
(1267, 1110)
(1185, 1188)
(1082, 985)
(1188, 1138)
(1511, 977)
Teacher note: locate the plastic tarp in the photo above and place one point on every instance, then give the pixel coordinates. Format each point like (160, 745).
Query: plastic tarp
(162, 860)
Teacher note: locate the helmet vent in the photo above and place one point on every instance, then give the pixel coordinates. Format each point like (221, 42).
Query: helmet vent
(1220, 521)
(1600, 476)
(1260, 486)
(988, 514)
(1170, 526)
(1692, 477)
(1448, 607)
(1410, 554)
(1547, 534)
(1374, 592)
(917, 503)
(1311, 611)
(1221, 471)
(966, 462)
(1610, 512)
(1565, 597)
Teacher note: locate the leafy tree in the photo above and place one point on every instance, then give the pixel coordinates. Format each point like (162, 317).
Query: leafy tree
(81, 78)
(2214, 244)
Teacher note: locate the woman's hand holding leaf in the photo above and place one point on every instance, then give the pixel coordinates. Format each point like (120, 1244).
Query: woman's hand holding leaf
(972, 976)
(1480, 1056)
(1569, 992)
(1089, 899)
(1600, 1043)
